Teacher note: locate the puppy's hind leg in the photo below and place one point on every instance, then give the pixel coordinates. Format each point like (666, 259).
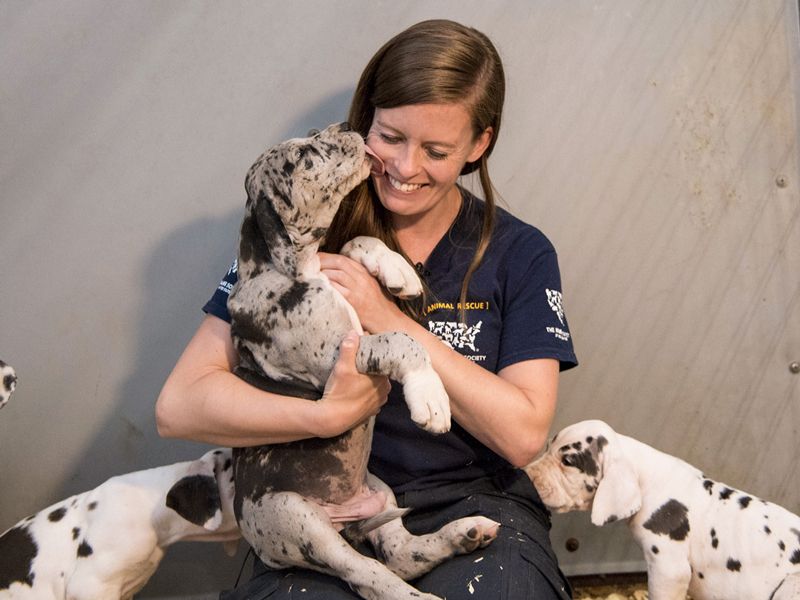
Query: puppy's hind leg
(411, 556)
(287, 530)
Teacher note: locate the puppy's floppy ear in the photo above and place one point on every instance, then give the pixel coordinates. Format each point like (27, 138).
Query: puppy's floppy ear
(196, 497)
(618, 495)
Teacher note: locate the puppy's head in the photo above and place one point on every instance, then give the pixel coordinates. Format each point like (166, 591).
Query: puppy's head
(303, 180)
(583, 467)
(204, 494)
(8, 382)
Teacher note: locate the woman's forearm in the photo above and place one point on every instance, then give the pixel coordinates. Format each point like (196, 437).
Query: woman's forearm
(203, 400)
(510, 412)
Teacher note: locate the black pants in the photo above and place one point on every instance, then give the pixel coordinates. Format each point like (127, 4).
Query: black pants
(518, 565)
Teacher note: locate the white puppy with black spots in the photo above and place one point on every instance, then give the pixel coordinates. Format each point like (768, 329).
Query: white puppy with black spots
(8, 382)
(697, 535)
(107, 542)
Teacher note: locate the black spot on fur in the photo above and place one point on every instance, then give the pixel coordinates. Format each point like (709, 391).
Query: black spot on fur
(781, 545)
(92, 505)
(195, 498)
(725, 493)
(419, 557)
(583, 461)
(654, 549)
(708, 485)
(307, 551)
(744, 501)
(767, 530)
(795, 557)
(56, 515)
(670, 519)
(76, 532)
(293, 296)
(733, 565)
(9, 381)
(714, 539)
(84, 549)
(17, 549)
(700, 575)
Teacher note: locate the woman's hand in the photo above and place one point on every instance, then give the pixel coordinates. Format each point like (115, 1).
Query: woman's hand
(203, 400)
(375, 309)
(349, 398)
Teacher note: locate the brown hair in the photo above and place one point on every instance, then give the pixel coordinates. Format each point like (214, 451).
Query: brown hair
(432, 62)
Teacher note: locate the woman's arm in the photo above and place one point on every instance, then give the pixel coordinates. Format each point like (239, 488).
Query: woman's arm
(528, 389)
(203, 400)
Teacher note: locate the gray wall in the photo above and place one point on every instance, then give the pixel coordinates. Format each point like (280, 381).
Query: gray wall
(644, 137)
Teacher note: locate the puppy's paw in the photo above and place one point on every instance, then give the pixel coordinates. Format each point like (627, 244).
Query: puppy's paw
(391, 269)
(427, 400)
(469, 534)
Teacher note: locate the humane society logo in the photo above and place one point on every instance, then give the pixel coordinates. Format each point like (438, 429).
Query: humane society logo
(457, 335)
(556, 302)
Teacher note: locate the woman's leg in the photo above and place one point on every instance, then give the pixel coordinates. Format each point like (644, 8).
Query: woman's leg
(518, 565)
(289, 583)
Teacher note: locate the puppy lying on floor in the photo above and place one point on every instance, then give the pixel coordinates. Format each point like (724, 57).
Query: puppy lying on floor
(697, 535)
(107, 542)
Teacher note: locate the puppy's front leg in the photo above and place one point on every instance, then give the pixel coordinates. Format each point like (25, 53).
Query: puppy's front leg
(668, 576)
(402, 358)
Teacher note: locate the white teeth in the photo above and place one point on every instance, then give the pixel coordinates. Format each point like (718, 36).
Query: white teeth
(403, 187)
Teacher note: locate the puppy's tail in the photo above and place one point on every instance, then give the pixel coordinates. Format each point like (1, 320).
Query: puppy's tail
(356, 531)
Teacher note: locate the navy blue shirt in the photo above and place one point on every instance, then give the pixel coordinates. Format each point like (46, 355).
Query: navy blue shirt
(514, 312)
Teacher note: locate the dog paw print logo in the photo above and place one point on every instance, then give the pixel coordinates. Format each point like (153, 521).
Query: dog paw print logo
(554, 299)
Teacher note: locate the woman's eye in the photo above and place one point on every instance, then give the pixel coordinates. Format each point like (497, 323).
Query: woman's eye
(390, 139)
(435, 155)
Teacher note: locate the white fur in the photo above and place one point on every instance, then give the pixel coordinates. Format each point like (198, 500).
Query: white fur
(697, 535)
(127, 525)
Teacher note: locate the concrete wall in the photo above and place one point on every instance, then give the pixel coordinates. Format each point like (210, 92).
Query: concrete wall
(654, 142)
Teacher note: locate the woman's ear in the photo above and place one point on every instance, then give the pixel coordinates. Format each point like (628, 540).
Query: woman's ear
(481, 144)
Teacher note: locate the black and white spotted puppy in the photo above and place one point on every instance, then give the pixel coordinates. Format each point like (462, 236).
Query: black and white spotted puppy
(106, 543)
(287, 324)
(8, 382)
(697, 534)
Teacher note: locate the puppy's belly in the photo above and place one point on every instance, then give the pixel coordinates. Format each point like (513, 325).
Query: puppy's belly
(330, 471)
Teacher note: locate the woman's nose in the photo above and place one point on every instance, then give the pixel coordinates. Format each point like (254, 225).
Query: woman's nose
(406, 161)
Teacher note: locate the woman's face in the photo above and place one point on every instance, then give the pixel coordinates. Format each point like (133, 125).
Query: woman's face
(423, 148)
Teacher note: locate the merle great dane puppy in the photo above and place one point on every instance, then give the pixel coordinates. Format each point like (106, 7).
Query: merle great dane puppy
(287, 323)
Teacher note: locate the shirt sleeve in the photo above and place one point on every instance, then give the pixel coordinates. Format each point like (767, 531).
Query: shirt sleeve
(218, 304)
(534, 322)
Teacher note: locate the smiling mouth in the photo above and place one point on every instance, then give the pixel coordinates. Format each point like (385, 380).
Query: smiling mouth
(403, 187)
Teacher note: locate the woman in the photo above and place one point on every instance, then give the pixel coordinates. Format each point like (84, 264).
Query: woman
(429, 104)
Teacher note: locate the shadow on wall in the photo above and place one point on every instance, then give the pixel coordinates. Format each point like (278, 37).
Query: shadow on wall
(179, 277)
